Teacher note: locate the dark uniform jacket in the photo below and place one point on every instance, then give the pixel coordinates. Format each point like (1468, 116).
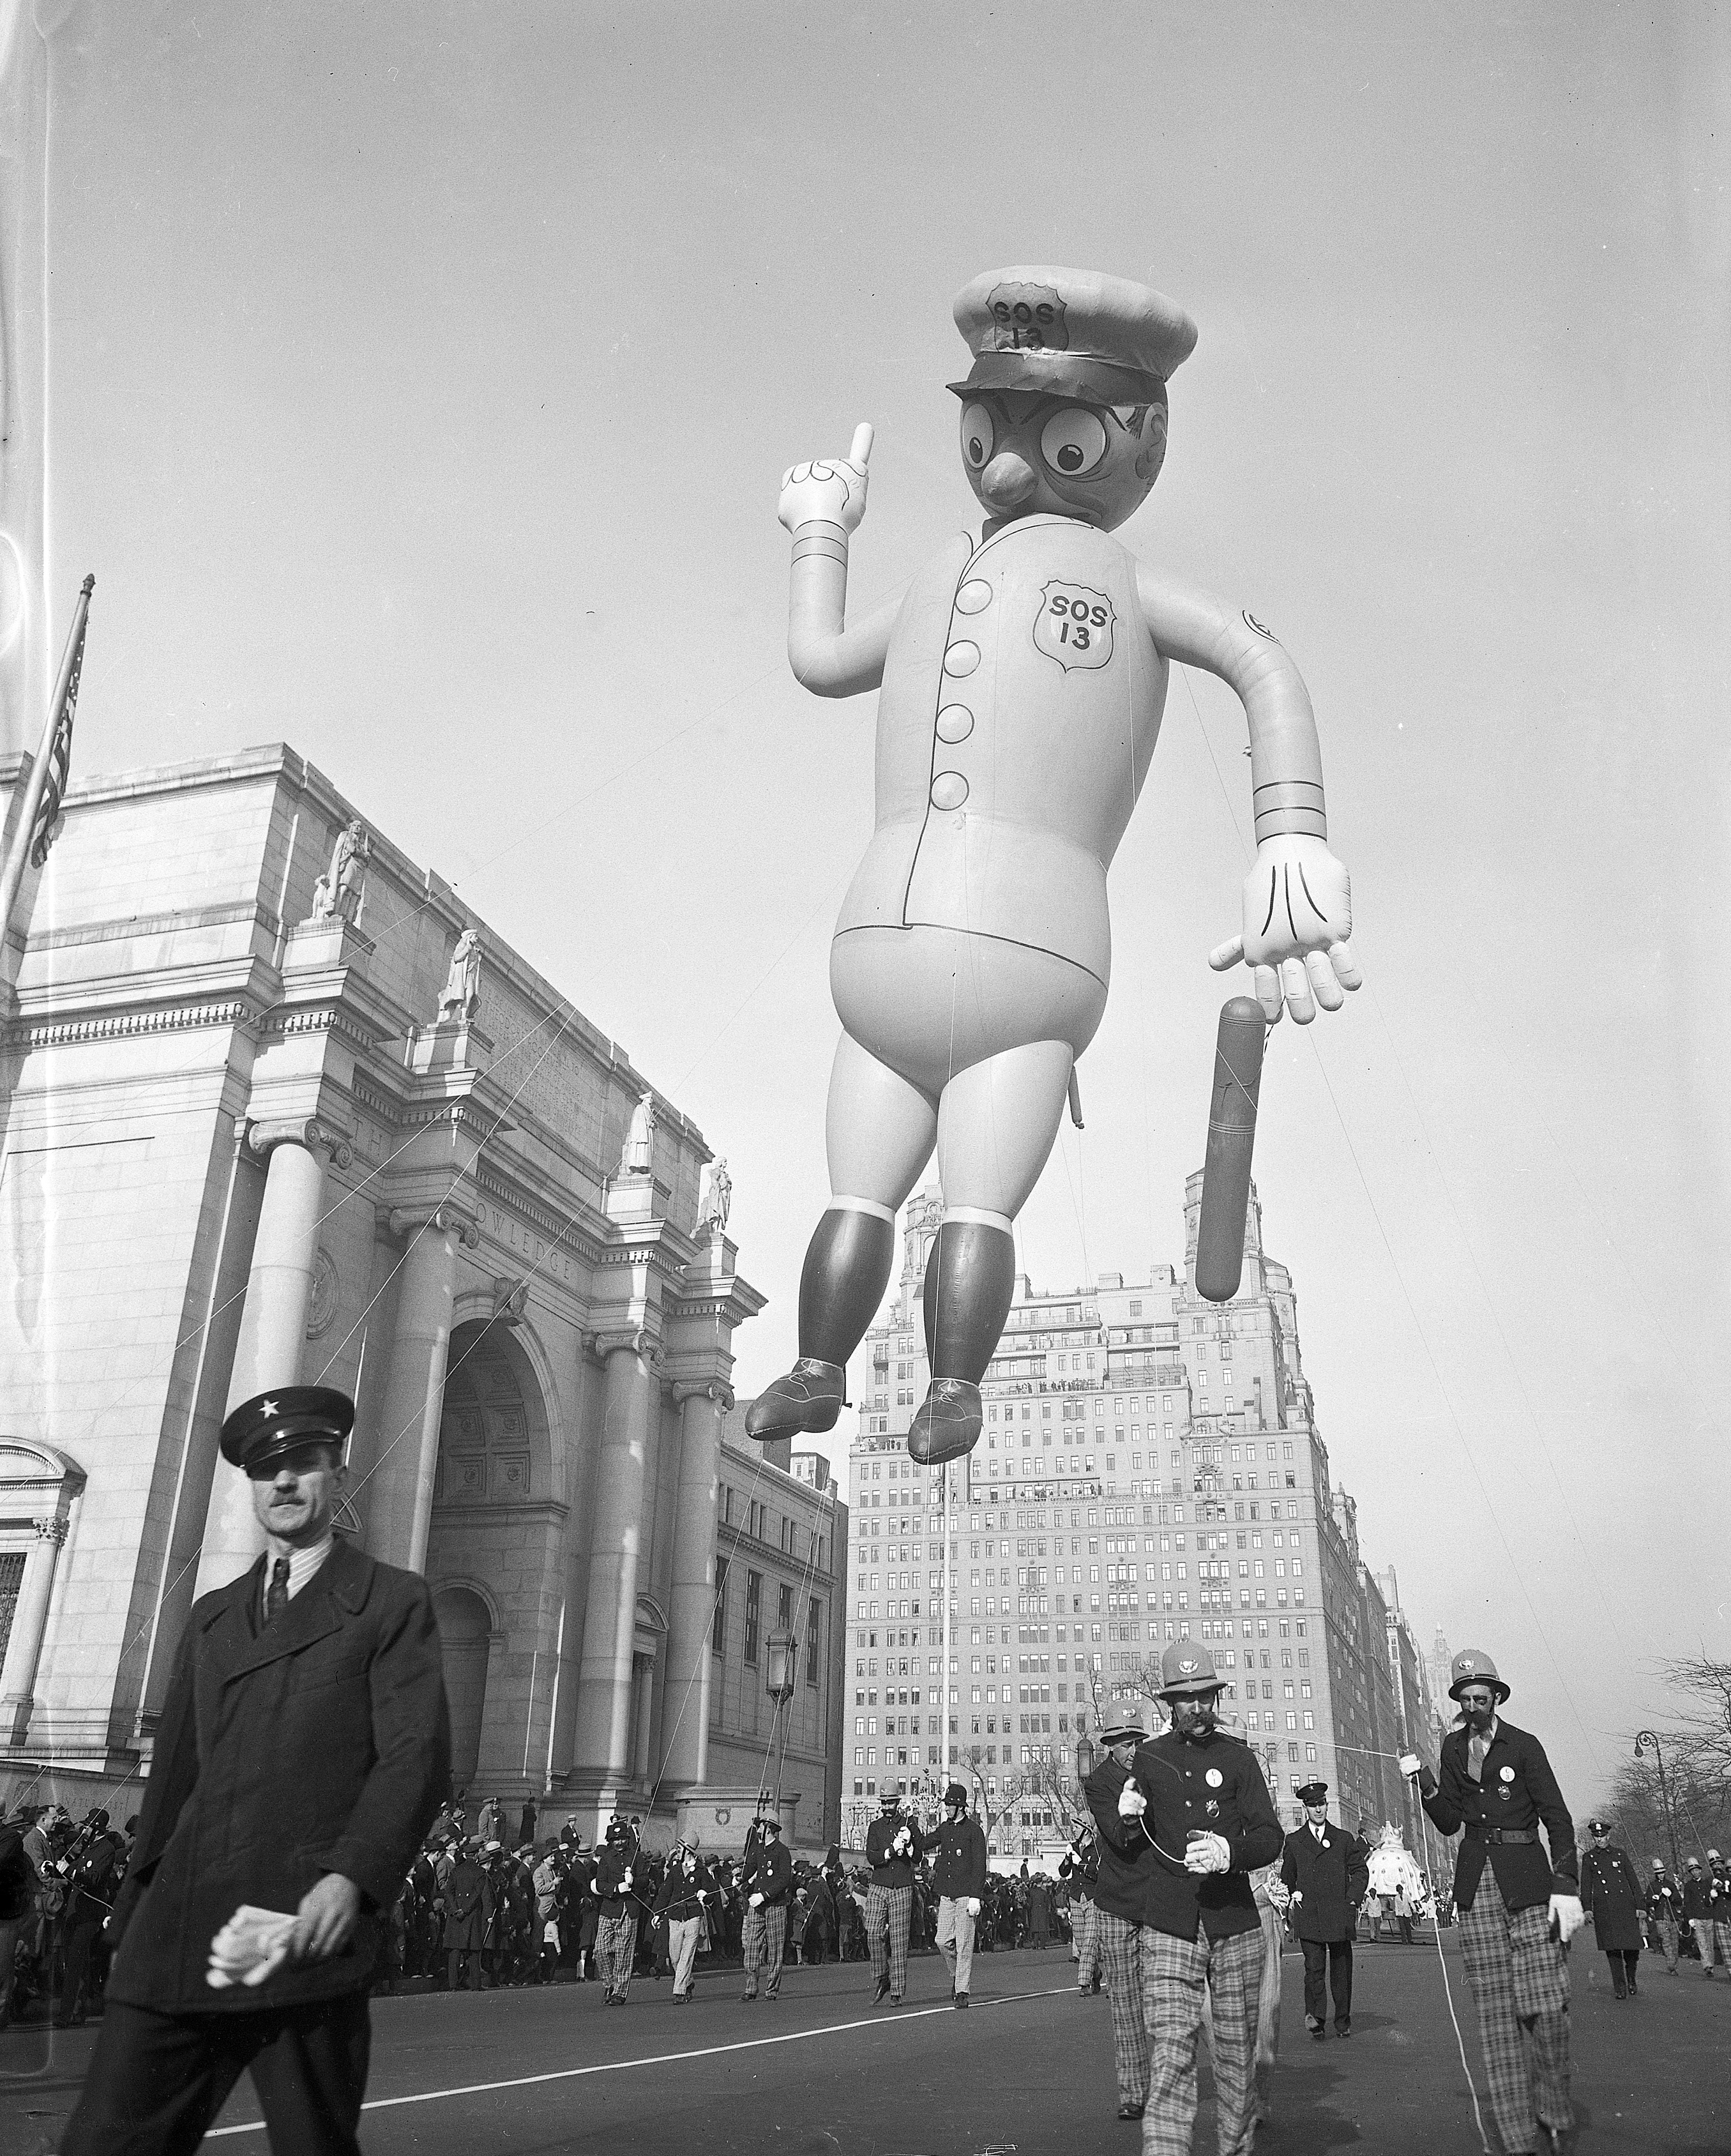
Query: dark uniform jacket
(769, 1872)
(1080, 1869)
(1332, 1875)
(1214, 1785)
(469, 1907)
(1665, 1900)
(1611, 1891)
(888, 1870)
(684, 1879)
(611, 1888)
(1126, 1854)
(1698, 1897)
(1517, 1792)
(959, 1869)
(319, 1743)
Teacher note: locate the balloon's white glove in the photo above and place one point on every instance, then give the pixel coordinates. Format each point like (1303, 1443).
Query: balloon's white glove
(830, 490)
(1209, 1852)
(1297, 922)
(973, 1905)
(757, 1901)
(1410, 1764)
(1131, 1802)
(1567, 1916)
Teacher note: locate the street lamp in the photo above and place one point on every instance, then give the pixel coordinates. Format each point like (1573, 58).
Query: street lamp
(1087, 1759)
(1643, 1738)
(782, 1656)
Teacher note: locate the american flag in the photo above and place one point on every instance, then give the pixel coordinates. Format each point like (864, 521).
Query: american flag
(46, 827)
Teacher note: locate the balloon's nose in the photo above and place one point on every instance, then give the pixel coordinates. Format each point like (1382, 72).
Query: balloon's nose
(1007, 481)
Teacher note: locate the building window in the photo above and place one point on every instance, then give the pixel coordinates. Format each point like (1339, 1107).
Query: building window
(753, 1613)
(717, 1623)
(814, 1642)
(784, 1605)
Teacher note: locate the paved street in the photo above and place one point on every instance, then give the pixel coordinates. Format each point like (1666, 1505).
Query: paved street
(1029, 2068)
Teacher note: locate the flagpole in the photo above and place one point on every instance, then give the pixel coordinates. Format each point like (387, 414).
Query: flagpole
(18, 860)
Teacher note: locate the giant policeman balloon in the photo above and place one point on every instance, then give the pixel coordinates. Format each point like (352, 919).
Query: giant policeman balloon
(1022, 677)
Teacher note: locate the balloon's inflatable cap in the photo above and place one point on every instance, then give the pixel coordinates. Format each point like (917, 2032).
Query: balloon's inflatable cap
(1071, 333)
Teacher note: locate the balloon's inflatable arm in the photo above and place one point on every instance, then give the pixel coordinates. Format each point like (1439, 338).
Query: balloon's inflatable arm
(1296, 898)
(822, 503)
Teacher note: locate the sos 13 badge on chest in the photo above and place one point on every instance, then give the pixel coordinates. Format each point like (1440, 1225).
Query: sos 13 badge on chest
(1075, 625)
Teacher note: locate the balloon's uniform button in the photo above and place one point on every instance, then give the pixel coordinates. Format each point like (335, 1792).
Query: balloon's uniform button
(956, 722)
(974, 596)
(961, 658)
(949, 789)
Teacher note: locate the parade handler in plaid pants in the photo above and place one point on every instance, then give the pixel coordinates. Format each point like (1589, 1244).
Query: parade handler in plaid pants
(766, 1882)
(1519, 1911)
(617, 1936)
(1126, 1857)
(959, 1874)
(893, 1846)
(1199, 1797)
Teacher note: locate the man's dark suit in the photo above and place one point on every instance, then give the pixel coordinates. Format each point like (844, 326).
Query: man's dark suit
(1332, 1875)
(318, 1743)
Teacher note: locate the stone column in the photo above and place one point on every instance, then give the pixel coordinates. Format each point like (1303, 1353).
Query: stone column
(397, 1502)
(273, 1325)
(686, 1717)
(601, 1750)
(29, 1624)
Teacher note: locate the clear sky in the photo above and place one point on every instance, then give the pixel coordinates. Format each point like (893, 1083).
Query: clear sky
(423, 376)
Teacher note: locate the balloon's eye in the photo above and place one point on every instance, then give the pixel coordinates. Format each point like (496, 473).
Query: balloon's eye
(976, 436)
(1073, 442)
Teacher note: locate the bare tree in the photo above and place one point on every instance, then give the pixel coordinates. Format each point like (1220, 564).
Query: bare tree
(1701, 1737)
(994, 1807)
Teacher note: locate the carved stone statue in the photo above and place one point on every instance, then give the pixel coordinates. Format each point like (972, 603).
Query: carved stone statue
(640, 1139)
(717, 1203)
(338, 893)
(462, 996)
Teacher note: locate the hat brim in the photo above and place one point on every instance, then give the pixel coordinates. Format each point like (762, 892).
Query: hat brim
(1043, 372)
(289, 1436)
(1193, 1688)
(1496, 1685)
(1124, 1732)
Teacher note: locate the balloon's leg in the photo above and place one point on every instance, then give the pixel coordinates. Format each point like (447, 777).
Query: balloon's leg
(996, 1123)
(1231, 1136)
(880, 1130)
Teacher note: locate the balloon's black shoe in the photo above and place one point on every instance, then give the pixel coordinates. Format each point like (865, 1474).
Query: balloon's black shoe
(947, 1423)
(804, 1403)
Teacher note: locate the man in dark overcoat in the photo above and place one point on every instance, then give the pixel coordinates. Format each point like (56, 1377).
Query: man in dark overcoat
(1611, 1895)
(1519, 1906)
(468, 1912)
(302, 1752)
(1324, 1871)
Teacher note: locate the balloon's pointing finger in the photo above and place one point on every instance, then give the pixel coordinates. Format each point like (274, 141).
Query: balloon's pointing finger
(861, 452)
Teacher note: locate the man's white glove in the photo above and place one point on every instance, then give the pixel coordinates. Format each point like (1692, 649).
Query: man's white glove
(1567, 1916)
(1297, 1896)
(757, 1901)
(1209, 1852)
(1297, 920)
(626, 1881)
(1131, 1802)
(1410, 1764)
(973, 1905)
(830, 490)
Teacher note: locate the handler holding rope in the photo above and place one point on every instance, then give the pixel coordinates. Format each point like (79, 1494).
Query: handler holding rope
(1201, 1798)
(1518, 1911)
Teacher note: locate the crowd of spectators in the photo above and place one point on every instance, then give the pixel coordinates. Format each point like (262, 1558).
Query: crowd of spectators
(58, 1879)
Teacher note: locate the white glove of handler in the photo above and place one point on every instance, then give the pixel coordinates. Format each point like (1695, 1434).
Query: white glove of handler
(1567, 1916)
(973, 1905)
(1131, 1802)
(1209, 1852)
(626, 1881)
(830, 490)
(757, 1901)
(1297, 1896)
(1410, 1764)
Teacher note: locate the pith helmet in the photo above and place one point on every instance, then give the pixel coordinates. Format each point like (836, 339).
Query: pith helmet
(1187, 1671)
(1472, 1665)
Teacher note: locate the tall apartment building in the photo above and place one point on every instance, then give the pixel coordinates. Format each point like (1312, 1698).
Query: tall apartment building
(1150, 1470)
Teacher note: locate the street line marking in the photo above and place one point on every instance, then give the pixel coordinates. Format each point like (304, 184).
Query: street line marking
(666, 2058)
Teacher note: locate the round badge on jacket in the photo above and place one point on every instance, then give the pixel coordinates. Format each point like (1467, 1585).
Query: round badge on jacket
(1508, 1773)
(1214, 1777)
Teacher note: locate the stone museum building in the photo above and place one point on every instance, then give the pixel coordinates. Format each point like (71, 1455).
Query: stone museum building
(279, 1108)
(1152, 1468)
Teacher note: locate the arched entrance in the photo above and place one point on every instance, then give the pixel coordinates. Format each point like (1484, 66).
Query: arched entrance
(495, 1559)
(465, 1630)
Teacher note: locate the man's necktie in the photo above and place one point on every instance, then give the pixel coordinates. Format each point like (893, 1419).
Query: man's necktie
(1475, 1750)
(276, 1594)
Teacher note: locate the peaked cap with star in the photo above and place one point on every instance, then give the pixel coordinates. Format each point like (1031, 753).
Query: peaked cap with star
(264, 1428)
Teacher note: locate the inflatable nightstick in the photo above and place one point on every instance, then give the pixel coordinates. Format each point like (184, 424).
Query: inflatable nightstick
(1022, 677)
(1232, 1134)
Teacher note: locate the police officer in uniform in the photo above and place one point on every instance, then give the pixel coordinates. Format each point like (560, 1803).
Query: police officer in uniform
(1610, 1894)
(303, 1753)
(1323, 1870)
(1518, 1910)
(1199, 1798)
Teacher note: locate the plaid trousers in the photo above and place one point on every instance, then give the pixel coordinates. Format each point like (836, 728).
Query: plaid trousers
(889, 1909)
(1667, 1928)
(1085, 1931)
(1520, 1977)
(1179, 1977)
(766, 1937)
(616, 1945)
(1721, 1935)
(1117, 1947)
